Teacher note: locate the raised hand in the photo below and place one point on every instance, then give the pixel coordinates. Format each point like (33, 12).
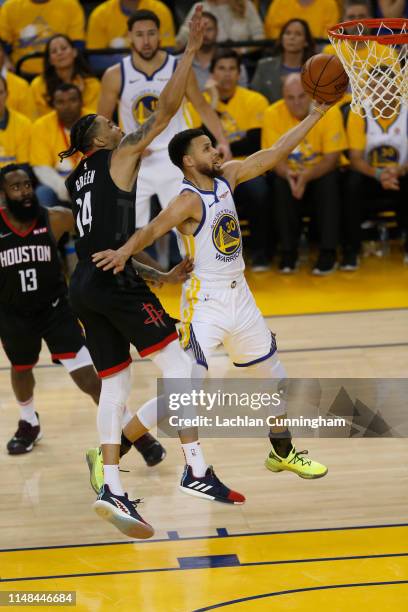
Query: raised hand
(321, 108)
(195, 37)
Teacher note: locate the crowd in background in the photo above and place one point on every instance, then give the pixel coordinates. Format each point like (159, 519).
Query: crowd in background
(333, 180)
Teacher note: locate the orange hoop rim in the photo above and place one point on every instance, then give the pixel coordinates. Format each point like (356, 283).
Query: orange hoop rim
(383, 39)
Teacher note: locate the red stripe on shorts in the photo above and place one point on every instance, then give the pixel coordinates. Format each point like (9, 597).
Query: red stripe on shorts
(63, 355)
(114, 369)
(22, 368)
(156, 347)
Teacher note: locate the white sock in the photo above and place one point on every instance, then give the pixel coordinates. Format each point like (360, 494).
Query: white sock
(195, 457)
(27, 412)
(126, 417)
(112, 479)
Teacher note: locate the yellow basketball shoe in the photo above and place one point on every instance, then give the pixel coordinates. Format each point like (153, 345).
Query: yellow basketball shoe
(296, 462)
(95, 465)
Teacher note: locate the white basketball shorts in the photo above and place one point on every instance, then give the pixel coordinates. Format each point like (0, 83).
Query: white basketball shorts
(226, 314)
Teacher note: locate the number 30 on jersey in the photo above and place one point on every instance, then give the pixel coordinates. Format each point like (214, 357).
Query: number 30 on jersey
(84, 216)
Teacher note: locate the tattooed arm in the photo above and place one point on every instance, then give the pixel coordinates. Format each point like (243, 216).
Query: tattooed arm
(144, 258)
(178, 274)
(149, 274)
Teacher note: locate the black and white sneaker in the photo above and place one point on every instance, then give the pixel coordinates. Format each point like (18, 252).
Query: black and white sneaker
(25, 438)
(260, 263)
(121, 512)
(151, 449)
(288, 263)
(350, 262)
(325, 264)
(208, 487)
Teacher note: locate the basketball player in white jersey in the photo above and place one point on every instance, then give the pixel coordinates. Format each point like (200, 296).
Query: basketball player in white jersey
(217, 304)
(136, 84)
(378, 176)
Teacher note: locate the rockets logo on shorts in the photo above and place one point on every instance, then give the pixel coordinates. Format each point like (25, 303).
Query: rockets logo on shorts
(155, 316)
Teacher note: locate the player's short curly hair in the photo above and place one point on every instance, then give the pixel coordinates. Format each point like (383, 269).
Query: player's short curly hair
(7, 169)
(179, 144)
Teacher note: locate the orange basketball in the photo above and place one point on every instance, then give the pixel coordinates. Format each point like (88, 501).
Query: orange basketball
(324, 78)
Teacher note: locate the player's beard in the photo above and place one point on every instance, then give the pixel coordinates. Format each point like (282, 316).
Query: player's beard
(24, 213)
(210, 171)
(148, 55)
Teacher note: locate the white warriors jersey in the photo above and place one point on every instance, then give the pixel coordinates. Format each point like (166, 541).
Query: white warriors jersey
(216, 245)
(139, 96)
(387, 147)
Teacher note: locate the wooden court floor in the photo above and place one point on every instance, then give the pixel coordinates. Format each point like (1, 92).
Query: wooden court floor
(338, 543)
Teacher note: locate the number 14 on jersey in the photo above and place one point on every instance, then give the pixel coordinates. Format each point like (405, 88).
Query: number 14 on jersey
(84, 216)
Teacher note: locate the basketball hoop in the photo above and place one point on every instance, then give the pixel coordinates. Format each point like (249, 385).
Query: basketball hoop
(374, 53)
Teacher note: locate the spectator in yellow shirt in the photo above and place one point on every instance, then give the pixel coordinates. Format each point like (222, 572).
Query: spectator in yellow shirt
(50, 135)
(63, 63)
(319, 14)
(307, 179)
(241, 112)
(378, 178)
(26, 25)
(17, 87)
(15, 132)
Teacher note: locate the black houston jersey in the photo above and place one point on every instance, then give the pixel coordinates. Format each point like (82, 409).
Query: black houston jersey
(30, 269)
(104, 214)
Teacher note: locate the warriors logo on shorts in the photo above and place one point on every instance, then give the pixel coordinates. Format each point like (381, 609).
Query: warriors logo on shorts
(226, 234)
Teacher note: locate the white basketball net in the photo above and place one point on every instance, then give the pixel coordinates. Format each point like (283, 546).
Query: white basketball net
(378, 73)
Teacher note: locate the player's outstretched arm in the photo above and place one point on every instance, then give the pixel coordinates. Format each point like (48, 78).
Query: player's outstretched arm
(260, 162)
(170, 98)
(61, 221)
(187, 206)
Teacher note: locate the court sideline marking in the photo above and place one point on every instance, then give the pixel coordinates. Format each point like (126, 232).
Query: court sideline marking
(223, 534)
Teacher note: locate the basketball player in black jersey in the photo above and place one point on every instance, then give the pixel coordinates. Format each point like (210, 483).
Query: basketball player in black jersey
(117, 310)
(33, 306)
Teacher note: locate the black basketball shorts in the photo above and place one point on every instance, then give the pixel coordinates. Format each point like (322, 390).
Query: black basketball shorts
(117, 311)
(22, 333)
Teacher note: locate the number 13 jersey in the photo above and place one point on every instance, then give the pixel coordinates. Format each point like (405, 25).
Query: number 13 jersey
(216, 245)
(104, 214)
(30, 269)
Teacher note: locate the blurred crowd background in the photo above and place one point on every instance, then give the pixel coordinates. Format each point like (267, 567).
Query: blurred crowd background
(344, 183)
